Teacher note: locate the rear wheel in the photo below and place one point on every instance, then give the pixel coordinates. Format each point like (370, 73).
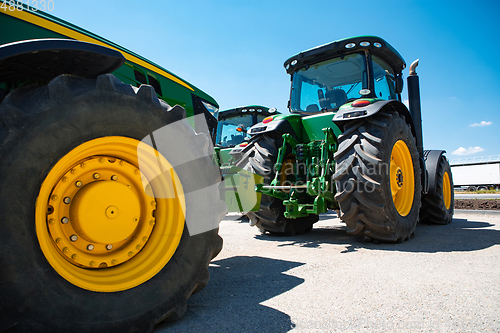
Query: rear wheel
(438, 207)
(378, 178)
(261, 154)
(96, 241)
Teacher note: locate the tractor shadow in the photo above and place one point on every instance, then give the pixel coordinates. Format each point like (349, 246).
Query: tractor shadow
(460, 235)
(231, 300)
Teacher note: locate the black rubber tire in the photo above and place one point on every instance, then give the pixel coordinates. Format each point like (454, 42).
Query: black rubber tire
(433, 209)
(362, 178)
(39, 125)
(260, 157)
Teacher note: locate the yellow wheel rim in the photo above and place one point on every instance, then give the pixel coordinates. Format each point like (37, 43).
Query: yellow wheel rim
(99, 220)
(402, 178)
(446, 190)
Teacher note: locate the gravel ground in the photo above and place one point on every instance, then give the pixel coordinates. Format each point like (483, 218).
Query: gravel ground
(481, 204)
(446, 279)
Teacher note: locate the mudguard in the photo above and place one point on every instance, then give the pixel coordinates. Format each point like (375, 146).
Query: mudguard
(431, 158)
(351, 113)
(48, 58)
(282, 126)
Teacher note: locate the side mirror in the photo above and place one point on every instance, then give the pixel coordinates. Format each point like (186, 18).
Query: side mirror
(399, 84)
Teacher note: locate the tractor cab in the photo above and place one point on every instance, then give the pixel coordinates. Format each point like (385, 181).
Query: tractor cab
(329, 76)
(234, 124)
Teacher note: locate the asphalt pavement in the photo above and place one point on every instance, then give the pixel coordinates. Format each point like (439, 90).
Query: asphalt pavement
(445, 279)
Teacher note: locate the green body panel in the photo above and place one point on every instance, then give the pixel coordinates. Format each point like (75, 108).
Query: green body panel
(28, 25)
(238, 190)
(312, 126)
(224, 155)
(295, 121)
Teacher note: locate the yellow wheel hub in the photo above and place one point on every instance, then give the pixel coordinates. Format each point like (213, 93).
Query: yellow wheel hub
(402, 178)
(96, 224)
(446, 190)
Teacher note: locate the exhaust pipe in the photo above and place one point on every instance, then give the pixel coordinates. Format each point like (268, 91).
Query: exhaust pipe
(414, 103)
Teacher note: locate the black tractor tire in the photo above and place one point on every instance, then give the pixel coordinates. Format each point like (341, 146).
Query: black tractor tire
(260, 157)
(363, 178)
(438, 207)
(38, 127)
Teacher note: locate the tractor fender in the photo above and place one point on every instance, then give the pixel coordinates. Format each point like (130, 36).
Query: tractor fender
(48, 58)
(282, 126)
(353, 113)
(431, 158)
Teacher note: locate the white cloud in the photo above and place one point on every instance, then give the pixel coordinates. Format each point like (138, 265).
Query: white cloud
(483, 123)
(467, 151)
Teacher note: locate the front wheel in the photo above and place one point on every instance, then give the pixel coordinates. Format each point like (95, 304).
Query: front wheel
(378, 178)
(259, 157)
(96, 241)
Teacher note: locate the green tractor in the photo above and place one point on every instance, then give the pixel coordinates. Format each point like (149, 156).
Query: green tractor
(349, 144)
(232, 136)
(109, 197)
(232, 128)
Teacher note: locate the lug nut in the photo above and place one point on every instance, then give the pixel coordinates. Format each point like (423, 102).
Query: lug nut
(78, 184)
(109, 247)
(64, 220)
(67, 200)
(96, 175)
(114, 177)
(73, 238)
(90, 247)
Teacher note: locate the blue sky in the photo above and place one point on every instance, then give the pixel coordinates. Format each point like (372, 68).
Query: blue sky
(234, 50)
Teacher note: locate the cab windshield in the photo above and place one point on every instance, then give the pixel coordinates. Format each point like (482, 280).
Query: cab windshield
(327, 85)
(233, 131)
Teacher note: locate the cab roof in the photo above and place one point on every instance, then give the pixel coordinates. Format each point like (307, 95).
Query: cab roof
(373, 44)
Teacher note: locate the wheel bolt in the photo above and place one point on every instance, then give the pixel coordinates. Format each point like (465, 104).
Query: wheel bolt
(90, 247)
(101, 160)
(64, 220)
(54, 197)
(52, 221)
(109, 247)
(74, 256)
(67, 200)
(96, 175)
(114, 177)
(78, 184)
(73, 238)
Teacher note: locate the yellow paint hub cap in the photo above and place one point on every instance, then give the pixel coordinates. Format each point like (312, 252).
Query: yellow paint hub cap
(402, 178)
(99, 220)
(446, 190)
